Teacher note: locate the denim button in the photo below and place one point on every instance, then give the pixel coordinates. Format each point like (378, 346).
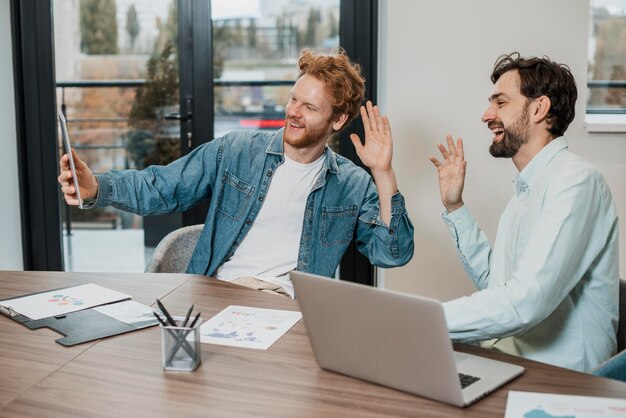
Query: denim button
(248, 222)
(261, 198)
(269, 173)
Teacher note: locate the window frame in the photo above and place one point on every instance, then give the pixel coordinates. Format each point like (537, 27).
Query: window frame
(597, 119)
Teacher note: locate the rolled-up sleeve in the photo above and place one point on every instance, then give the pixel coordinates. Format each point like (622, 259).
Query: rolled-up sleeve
(162, 189)
(385, 245)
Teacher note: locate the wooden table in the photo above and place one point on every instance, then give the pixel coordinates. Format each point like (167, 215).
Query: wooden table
(122, 375)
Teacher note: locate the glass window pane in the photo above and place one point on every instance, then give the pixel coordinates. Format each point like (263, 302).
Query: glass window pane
(256, 47)
(607, 57)
(117, 78)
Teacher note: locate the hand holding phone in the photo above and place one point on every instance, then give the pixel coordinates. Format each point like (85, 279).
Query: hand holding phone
(68, 150)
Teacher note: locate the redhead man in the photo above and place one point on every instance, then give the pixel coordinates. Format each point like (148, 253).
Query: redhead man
(278, 201)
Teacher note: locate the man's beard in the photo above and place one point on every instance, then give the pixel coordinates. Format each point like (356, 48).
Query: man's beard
(513, 138)
(311, 137)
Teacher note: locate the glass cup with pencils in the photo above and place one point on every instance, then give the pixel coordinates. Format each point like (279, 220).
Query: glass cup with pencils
(180, 338)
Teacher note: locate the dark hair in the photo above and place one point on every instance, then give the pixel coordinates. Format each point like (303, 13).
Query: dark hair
(542, 77)
(344, 83)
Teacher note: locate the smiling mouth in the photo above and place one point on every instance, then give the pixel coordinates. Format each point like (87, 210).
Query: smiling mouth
(295, 125)
(498, 133)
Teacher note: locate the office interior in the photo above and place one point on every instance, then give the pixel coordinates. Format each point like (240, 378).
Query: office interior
(434, 61)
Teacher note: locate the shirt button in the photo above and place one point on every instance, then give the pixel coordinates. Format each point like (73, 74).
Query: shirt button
(269, 173)
(261, 198)
(391, 232)
(248, 222)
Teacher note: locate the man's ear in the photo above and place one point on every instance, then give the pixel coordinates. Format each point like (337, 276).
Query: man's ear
(339, 122)
(541, 108)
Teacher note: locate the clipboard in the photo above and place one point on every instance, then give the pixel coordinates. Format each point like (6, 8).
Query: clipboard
(79, 326)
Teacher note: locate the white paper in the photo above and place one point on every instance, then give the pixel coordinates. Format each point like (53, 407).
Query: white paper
(62, 301)
(129, 311)
(242, 326)
(545, 405)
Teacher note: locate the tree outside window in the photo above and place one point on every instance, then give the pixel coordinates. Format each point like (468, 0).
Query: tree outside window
(607, 57)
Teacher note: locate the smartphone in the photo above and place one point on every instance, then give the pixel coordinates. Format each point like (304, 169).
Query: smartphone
(68, 150)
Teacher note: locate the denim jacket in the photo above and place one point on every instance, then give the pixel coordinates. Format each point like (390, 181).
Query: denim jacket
(235, 172)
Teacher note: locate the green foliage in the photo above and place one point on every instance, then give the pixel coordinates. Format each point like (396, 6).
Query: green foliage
(98, 27)
(168, 31)
(312, 25)
(132, 25)
(150, 141)
(147, 144)
(160, 90)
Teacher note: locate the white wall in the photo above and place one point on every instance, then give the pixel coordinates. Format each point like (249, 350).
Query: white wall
(11, 242)
(436, 58)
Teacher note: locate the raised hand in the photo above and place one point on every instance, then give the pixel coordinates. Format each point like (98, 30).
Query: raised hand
(451, 173)
(377, 151)
(376, 154)
(86, 180)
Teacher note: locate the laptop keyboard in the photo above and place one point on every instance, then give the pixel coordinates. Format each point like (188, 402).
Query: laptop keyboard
(467, 380)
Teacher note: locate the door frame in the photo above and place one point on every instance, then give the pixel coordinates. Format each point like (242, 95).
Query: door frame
(35, 99)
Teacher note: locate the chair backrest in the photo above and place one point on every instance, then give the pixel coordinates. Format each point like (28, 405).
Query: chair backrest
(613, 368)
(173, 253)
(621, 326)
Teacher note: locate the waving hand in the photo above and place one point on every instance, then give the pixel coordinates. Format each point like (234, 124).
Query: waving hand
(451, 173)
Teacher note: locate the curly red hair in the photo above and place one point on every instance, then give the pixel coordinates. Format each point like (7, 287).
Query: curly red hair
(344, 83)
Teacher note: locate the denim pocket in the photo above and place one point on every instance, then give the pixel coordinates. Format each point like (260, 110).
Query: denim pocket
(338, 224)
(236, 195)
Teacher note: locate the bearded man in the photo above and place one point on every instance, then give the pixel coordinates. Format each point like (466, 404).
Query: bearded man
(548, 289)
(281, 200)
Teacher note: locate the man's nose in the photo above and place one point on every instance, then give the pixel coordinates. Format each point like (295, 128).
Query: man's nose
(293, 110)
(489, 115)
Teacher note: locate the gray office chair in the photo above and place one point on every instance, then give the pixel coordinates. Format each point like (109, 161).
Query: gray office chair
(615, 367)
(173, 253)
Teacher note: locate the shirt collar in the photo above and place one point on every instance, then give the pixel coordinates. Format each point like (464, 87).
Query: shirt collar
(277, 147)
(276, 144)
(528, 176)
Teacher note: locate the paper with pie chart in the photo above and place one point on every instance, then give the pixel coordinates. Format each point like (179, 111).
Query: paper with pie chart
(63, 301)
(243, 326)
(551, 405)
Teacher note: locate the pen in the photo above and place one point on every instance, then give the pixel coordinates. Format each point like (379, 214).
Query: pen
(187, 316)
(159, 318)
(194, 321)
(167, 314)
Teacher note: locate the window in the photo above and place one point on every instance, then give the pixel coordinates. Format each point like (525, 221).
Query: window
(255, 55)
(607, 63)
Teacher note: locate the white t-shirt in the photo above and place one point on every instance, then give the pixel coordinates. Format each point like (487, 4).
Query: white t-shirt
(270, 249)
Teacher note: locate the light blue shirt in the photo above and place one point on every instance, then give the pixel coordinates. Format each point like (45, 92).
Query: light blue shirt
(550, 283)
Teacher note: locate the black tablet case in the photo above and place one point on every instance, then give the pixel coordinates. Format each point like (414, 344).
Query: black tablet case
(80, 326)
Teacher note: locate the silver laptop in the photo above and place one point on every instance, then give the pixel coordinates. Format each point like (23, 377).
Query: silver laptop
(393, 339)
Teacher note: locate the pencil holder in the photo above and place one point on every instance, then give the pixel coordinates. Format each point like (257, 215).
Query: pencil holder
(181, 347)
